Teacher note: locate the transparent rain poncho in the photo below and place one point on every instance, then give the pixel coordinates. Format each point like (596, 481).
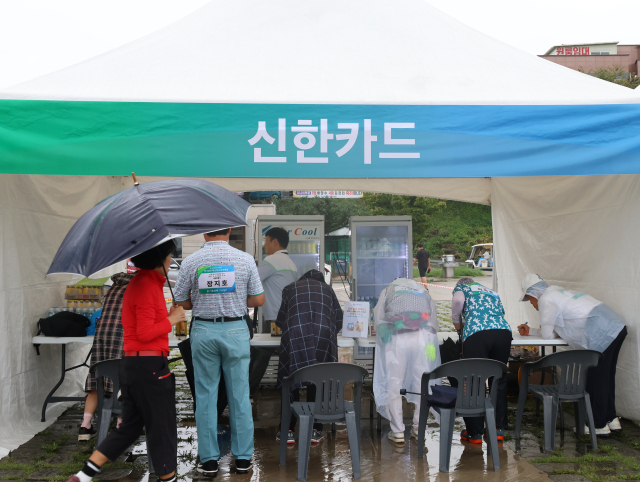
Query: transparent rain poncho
(406, 343)
(581, 320)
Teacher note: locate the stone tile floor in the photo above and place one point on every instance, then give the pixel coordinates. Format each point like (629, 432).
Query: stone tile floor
(55, 454)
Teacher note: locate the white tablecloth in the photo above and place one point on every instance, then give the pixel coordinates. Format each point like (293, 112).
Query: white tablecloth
(259, 339)
(517, 340)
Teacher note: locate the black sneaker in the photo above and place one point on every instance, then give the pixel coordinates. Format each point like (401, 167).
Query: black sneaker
(290, 437)
(243, 466)
(316, 436)
(208, 469)
(85, 434)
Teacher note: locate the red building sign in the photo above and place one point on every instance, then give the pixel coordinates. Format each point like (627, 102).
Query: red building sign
(572, 51)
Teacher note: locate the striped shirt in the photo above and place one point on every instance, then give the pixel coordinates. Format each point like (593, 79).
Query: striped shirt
(218, 278)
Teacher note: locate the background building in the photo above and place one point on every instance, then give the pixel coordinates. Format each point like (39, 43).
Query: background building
(595, 56)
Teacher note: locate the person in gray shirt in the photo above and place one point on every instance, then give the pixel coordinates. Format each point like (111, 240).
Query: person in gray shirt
(276, 271)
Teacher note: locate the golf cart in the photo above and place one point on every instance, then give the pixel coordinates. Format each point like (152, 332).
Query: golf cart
(477, 257)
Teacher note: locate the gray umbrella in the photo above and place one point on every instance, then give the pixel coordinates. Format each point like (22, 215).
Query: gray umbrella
(138, 218)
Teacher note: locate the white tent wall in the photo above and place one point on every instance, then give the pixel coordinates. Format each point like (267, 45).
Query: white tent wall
(579, 232)
(36, 212)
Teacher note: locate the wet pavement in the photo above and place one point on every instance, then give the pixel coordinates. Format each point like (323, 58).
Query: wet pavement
(381, 460)
(55, 454)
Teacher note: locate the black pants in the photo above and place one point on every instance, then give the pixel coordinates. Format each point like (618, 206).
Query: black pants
(495, 345)
(601, 383)
(260, 357)
(311, 396)
(148, 401)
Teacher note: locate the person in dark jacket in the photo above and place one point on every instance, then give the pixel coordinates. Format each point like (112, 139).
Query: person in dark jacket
(107, 345)
(310, 318)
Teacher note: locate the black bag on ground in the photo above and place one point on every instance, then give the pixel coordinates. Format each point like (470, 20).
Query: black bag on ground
(65, 323)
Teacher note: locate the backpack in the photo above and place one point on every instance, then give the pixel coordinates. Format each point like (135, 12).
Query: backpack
(65, 323)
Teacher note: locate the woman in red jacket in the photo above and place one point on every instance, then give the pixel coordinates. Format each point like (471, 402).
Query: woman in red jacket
(147, 384)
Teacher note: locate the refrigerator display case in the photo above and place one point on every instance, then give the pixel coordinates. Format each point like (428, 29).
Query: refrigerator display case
(306, 245)
(306, 239)
(381, 251)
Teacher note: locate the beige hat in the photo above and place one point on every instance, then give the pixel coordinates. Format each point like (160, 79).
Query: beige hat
(527, 282)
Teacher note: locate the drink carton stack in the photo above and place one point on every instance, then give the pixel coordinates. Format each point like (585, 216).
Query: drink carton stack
(84, 300)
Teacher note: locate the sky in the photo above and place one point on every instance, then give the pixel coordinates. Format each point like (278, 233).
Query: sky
(41, 36)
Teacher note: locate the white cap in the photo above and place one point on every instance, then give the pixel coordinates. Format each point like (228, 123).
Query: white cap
(527, 282)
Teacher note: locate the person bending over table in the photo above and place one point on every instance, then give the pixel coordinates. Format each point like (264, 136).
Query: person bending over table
(146, 383)
(407, 346)
(486, 334)
(585, 324)
(310, 318)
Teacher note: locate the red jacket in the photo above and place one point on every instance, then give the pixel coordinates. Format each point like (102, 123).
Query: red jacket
(144, 313)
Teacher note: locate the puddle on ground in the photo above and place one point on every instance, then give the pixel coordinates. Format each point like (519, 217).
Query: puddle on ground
(381, 460)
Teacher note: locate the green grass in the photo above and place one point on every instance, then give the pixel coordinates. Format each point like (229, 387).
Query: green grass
(605, 454)
(66, 470)
(459, 272)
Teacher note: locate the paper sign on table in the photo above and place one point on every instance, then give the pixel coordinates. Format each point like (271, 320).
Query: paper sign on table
(356, 319)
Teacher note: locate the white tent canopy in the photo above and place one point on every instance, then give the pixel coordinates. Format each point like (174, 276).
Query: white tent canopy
(539, 121)
(320, 51)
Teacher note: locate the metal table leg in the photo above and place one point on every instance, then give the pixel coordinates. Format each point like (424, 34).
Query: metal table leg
(379, 421)
(50, 398)
(541, 383)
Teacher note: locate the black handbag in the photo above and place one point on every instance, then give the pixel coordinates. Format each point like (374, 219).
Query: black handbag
(443, 396)
(65, 323)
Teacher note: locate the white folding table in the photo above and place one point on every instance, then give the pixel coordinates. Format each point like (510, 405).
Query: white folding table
(259, 339)
(63, 341)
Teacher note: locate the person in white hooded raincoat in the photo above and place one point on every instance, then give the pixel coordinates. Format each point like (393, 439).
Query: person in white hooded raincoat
(585, 324)
(406, 347)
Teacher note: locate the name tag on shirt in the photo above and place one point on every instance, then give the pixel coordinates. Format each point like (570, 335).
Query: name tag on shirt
(216, 279)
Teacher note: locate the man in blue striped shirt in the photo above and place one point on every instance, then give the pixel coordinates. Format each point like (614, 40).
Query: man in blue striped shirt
(219, 282)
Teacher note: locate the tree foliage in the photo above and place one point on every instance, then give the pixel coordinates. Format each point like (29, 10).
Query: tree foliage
(615, 74)
(336, 211)
(458, 227)
(444, 227)
(421, 210)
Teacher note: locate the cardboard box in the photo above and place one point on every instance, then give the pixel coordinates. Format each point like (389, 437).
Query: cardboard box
(535, 377)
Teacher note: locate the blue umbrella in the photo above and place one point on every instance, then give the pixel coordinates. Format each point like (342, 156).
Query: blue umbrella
(138, 218)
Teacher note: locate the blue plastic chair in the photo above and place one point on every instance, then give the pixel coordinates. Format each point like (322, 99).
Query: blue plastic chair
(107, 407)
(472, 400)
(330, 380)
(574, 366)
